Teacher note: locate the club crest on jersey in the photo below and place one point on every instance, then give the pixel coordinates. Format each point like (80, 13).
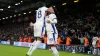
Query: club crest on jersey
(51, 39)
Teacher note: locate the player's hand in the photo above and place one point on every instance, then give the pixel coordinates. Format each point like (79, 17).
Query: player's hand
(31, 24)
(48, 21)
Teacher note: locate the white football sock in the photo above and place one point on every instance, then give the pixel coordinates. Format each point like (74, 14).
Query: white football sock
(94, 51)
(31, 47)
(54, 50)
(35, 46)
(51, 51)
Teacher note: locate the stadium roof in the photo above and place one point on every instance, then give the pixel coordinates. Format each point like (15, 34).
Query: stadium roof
(11, 7)
(15, 7)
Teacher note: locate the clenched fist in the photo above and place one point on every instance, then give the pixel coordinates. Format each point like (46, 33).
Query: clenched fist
(31, 24)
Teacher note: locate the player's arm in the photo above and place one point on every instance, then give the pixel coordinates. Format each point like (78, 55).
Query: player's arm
(53, 19)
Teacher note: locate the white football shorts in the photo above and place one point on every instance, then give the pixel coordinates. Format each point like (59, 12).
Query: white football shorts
(94, 45)
(52, 38)
(39, 30)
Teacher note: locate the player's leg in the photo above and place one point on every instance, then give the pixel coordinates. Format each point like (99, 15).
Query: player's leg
(51, 41)
(31, 47)
(54, 51)
(36, 45)
(94, 50)
(37, 35)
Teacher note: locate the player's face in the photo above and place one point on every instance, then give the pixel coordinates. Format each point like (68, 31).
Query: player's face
(50, 10)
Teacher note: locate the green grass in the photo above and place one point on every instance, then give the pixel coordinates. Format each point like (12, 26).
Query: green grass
(6, 50)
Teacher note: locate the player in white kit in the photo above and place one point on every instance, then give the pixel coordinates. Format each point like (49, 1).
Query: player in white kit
(94, 44)
(52, 33)
(39, 26)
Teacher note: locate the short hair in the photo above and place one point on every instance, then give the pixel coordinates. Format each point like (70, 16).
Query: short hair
(40, 4)
(54, 8)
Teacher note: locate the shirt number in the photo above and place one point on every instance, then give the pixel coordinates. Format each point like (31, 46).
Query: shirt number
(40, 14)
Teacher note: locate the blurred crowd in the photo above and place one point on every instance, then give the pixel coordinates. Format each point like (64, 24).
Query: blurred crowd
(79, 25)
(76, 26)
(12, 31)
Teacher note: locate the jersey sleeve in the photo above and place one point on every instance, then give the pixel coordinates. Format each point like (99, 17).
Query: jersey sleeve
(53, 19)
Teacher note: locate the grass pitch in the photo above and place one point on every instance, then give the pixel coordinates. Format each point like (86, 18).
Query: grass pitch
(6, 50)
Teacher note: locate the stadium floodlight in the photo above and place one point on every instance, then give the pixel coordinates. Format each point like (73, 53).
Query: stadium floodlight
(24, 13)
(19, 14)
(3, 18)
(30, 12)
(9, 6)
(21, 1)
(54, 6)
(1, 9)
(14, 15)
(10, 16)
(16, 4)
(64, 3)
(6, 17)
(76, 1)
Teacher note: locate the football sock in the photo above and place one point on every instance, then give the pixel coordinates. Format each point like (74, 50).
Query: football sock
(54, 50)
(94, 51)
(35, 46)
(31, 47)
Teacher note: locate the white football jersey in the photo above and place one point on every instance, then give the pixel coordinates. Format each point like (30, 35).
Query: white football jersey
(94, 40)
(39, 25)
(50, 27)
(40, 14)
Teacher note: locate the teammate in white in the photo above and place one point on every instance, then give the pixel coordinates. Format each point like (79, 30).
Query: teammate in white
(38, 27)
(94, 44)
(52, 33)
